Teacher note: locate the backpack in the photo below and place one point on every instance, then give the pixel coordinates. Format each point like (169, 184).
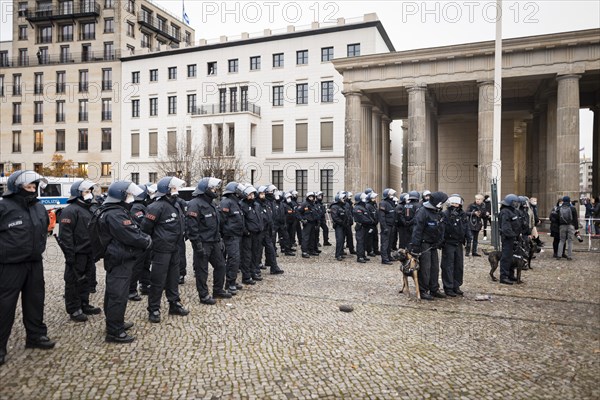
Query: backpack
(99, 236)
(566, 216)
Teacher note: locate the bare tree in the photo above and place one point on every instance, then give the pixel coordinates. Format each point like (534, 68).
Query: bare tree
(227, 168)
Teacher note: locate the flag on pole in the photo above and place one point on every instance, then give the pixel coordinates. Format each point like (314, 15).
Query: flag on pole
(186, 19)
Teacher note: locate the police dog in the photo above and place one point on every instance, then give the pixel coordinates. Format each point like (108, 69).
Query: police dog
(519, 261)
(409, 266)
(532, 248)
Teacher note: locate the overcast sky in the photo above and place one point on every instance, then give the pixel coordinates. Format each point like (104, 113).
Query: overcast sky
(409, 24)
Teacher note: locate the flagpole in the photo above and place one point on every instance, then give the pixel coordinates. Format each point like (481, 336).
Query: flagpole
(497, 127)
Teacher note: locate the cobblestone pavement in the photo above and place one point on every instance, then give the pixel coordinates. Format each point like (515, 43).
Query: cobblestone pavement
(285, 338)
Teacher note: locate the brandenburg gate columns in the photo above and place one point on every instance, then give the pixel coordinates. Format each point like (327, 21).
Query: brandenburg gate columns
(352, 137)
(417, 123)
(567, 123)
(485, 136)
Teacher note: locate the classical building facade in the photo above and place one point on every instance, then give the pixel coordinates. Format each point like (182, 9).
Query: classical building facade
(445, 97)
(272, 101)
(60, 81)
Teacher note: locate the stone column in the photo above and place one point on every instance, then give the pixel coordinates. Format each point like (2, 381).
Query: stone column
(431, 177)
(519, 153)
(404, 187)
(596, 152)
(376, 162)
(532, 156)
(567, 117)
(366, 144)
(417, 150)
(385, 151)
(352, 138)
(485, 136)
(540, 193)
(551, 151)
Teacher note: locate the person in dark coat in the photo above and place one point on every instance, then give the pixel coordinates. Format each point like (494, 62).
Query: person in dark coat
(476, 213)
(554, 228)
(511, 229)
(309, 216)
(75, 243)
(250, 239)
(456, 233)
(141, 269)
(23, 232)
(232, 229)
(338, 217)
(387, 221)
(349, 222)
(363, 221)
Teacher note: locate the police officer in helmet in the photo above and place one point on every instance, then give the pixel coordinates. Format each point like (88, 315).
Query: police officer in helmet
(23, 233)
(510, 226)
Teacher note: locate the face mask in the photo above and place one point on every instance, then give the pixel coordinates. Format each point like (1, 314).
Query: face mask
(27, 195)
(88, 197)
(130, 199)
(211, 193)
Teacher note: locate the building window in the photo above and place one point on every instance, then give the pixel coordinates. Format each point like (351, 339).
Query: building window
(232, 65)
(65, 33)
(38, 141)
(65, 7)
(301, 182)
(191, 71)
(109, 51)
(83, 81)
(106, 109)
(222, 100)
(278, 60)
(105, 169)
(172, 105)
(22, 32)
(277, 96)
(153, 107)
(44, 34)
(130, 29)
(60, 111)
(16, 113)
(1, 85)
(106, 139)
(65, 54)
(326, 54)
(277, 139)
(153, 75)
(146, 41)
(130, 50)
(135, 108)
(83, 110)
(135, 144)
(244, 98)
(109, 4)
(4, 58)
(61, 82)
(106, 78)
(302, 93)
(38, 86)
(153, 177)
(135, 77)
(87, 31)
(23, 58)
(302, 137)
(109, 25)
(188, 38)
(172, 143)
(172, 73)
(233, 103)
(326, 136)
(60, 140)
(211, 68)
(135, 177)
(327, 184)
(86, 52)
(302, 57)
(83, 140)
(42, 56)
(354, 50)
(38, 113)
(153, 144)
(16, 142)
(277, 178)
(191, 103)
(327, 92)
(83, 168)
(16, 84)
(254, 63)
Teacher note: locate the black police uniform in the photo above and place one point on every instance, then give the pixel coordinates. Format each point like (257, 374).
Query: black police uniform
(289, 208)
(510, 225)
(203, 222)
(363, 221)
(127, 245)
(250, 240)
(427, 237)
(141, 269)
(405, 214)
(322, 223)
(233, 228)
(348, 226)
(279, 227)
(266, 235)
(337, 211)
(456, 233)
(372, 238)
(387, 220)
(75, 239)
(308, 216)
(165, 222)
(23, 232)
(181, 244)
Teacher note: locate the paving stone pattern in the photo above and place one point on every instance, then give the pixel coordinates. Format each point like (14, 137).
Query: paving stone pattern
(285, 338)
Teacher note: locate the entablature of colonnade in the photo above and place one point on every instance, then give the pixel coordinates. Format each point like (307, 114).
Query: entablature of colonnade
(576, 52)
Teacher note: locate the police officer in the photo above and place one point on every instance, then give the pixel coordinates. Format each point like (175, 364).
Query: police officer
(75, 242)
(127, 243)
(289, 208)
(349, 207)
(233, 227)
(322, 223)
(372, 239)
(405, 214)
(141, 269)
(204, 230)
(298, 225)
(510, 226)
(165, 222)
(308, 216)
(363, 219)
(181, 246)
(23, 233)
(267, 203)
(387, 219)
(279, 222)
(427, 238)
(456, 232)
(338, 216)
(250, 238)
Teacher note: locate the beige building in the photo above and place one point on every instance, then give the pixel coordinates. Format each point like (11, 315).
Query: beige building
(60, 82)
